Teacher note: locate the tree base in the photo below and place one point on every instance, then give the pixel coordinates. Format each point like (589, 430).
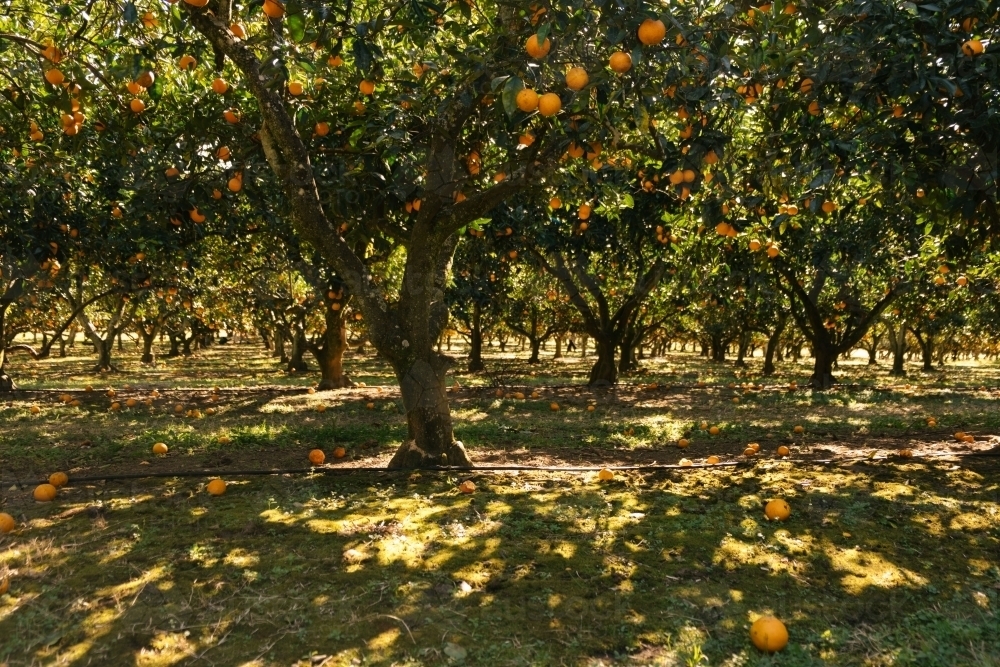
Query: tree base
(409, 456)
(897, 372)
(335, 383)
(104, 368)
(7, 383)
(822, 381)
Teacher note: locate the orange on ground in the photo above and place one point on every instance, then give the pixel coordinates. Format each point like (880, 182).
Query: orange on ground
(906, 453)
(605, 475)
(714, 430)
(554, 407)
(683, 443)
(777, 510)
(591, 408)
(783, 451)
(339, 453)
(44, 493)
(7, 522)
(712, 460)
(769, 634)
(467, 486)
(799, 429)
(317, 457)
(216, 487)
(58, 479)
(160, 448)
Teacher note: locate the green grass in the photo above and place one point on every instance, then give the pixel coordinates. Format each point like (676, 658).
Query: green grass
(884, 561)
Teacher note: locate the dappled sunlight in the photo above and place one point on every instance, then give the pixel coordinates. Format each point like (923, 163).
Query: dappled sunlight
(866, 568)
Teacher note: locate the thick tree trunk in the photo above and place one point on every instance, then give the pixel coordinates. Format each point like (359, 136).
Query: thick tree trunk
(897, 343)
(741, 351)
(331, 355)
(824, 357)
(6, 383)
(296, 362)
(147, 347)
(536, 346)
(476, 340)
(604, 370)
(103, 349)
(175, 345)
(718, 347)
(627, 361)
(558, 353)
(773, 345)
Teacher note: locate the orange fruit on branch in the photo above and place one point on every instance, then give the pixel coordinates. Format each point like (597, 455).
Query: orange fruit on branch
(54, 76)
(274, 9)
(652, 31)
(620, 62)
(527, 100)
(549, 104)
(576, 78)
(220, 86)
(536, 50)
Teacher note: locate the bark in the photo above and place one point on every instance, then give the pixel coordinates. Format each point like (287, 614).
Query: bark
(147, 347)
(822, 377)
(330, 355)
(773, 344)
(897, 344)
(476, 340)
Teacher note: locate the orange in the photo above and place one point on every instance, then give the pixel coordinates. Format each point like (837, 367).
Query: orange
(367, 87)
(605, 475)
(58, 479)
(783, 451)
(526, 139)
(467, 486)
(187, 62)
(773, 251)
(370, 406)
(906, 453)
(962, 281)
(714, 430)
(160, 448)
(554, 407)
(54, 76)
(973, 47)
(814, 108)
(575, 150)
(555, 203)
(196, 216)
(755, 245)
(7, 522)
(238, 30)
(197, 3)
(591, 408)
(806, 86)
(335, 61)
(777, 510)
(232, 116)
(216, 487)
(584, 211)
(549, 104)
(316, 457)
(527, 100)
(769, 634)
(584, 226)
(749, 451)
(220, 86)
(829, 206)
(652, 31)
(235, 184)
(322, 129)
(137, 105)
(132, 87)
(44, 493)
(274, 9)
(131, 403)
(536, 50)
(799, 429)
(685, 462)
(224, 440)
(754, 446)
(169, 172)
(339, 453)
(683, 443)
(223, 153)
(295, 88)
(4, 586)
(116, 406)
(620, 62)
(712, 460)
(576, 78)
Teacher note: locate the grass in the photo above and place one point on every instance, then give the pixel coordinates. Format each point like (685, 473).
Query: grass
(884, 561)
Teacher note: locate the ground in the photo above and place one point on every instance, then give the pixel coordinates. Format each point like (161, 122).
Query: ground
(885, 560)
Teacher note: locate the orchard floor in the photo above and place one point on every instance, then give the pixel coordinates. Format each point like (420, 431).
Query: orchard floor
(885, 560)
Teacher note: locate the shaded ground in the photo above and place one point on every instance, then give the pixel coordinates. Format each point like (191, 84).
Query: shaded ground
(885, 560)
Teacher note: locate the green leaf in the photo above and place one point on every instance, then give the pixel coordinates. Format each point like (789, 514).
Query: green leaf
(628, 201)
(513, 86)
(131, 14)
(296, 24)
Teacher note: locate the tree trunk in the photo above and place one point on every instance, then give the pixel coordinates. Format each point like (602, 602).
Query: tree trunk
(718, 348)
(536, 346)
(6, 383)
(558, 354)
(476, 340)
(742, 346)
(147, 346)
(773, 345)
(604, 370)
(897, 343)
(103, 349)
(583, 346)
(331, 355)
(626, 362)
(824, 357)
(296, 363)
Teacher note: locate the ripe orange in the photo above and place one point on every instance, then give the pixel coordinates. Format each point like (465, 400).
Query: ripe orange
(7, 522)
(527, 100)
(295, 88)
(584, 211)
(829, 206)
(554, 407)
(806, 86)
(131, 403)
(322, 129)
(555, 203)
(576, 78)
(683, 443)
(335, 61)
(160, 448)
(755, 245)
(34, 409)
(814, 108)
(44, 493)
(712, 460)
(196, 216)
(367, 87)
(536, 50)
(116, 406)
(223, 153)
(186, 62)
(783, 451)
(232, 116)
(339, 453)
(137, 105)
(4, 586)
(714, 430)
(605, 475)
(467, 486)
(132, 87)
(769, 634)
(220, 86)
(749, 451)
(54, 76)
(274, 9)
(317, 457)
(973, 47)
(777, 510)
(224, 440)
(906, 453)
(620, 62)
(235, 184)
(549, 104)
(238, 30)
(216, 487)
(754, 446)
(321, 408)
(652, 31)
(799, 429)
(58, 479)
(370, 406)
(591, 408)
(197, 3)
